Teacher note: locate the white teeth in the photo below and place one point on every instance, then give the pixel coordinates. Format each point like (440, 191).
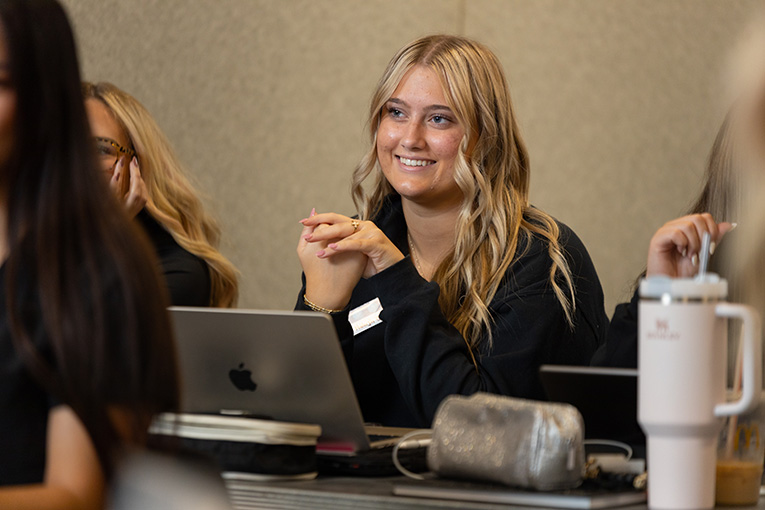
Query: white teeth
(415, 162)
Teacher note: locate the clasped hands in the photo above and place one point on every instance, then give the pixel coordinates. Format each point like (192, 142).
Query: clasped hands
(336, 252)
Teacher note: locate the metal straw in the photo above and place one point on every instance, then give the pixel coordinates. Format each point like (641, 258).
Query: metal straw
(706, 241)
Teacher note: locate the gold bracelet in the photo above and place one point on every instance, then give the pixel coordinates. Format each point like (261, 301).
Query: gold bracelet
(317, 308)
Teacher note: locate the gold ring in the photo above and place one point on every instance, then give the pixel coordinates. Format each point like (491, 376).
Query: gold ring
(355, 224)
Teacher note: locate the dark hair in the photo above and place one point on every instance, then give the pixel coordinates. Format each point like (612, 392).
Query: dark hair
(91, 273)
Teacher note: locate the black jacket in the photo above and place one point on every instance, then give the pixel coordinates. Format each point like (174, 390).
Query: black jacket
(621, 347)
(403, 368)
(186, 275)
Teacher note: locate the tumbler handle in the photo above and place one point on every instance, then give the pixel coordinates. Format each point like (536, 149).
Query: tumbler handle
(751, 347)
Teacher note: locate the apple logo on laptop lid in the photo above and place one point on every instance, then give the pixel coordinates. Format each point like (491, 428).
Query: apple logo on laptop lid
(242, 378)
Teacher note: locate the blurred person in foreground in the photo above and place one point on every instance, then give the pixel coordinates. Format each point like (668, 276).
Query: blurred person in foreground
(86, 347)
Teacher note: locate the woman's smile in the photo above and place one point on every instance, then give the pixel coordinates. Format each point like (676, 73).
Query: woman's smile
(419, 138)
(414, 163)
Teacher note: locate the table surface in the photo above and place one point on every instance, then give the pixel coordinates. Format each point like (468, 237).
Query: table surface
(354, 493)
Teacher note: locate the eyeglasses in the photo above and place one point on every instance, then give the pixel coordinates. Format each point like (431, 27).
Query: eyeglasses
(109, 152)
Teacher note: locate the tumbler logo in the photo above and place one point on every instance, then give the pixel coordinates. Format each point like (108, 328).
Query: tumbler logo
(662, 331)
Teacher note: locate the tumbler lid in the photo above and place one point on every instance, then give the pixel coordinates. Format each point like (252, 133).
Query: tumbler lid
(710, 287)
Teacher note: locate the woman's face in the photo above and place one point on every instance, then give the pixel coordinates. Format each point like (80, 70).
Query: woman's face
(105, 127)
(7, 104)
(418, 141)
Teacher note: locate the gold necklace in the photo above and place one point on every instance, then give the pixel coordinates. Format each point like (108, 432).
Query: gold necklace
(415, 258)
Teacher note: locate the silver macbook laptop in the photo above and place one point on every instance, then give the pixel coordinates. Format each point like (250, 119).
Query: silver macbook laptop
(287, 366)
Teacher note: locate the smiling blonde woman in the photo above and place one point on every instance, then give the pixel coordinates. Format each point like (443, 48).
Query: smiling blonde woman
(476, 287)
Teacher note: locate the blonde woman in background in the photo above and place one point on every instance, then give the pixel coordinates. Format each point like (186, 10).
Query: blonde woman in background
(143, 170)
(477, 287)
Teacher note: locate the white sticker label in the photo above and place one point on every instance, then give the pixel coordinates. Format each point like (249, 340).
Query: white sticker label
(365, 316)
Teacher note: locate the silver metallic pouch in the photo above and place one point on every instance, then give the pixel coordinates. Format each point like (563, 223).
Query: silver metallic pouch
(522, 443)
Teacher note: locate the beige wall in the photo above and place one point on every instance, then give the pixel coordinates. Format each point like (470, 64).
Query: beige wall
(265, 101)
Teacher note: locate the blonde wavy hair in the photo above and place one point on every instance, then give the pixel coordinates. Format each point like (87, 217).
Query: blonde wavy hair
(491, 170)
(172, 200)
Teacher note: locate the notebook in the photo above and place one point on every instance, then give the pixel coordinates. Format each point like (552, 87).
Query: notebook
(585, 498)
(286, 366)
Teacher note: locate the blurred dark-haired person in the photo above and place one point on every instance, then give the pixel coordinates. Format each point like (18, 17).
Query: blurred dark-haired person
(86, 349)
(142, 168)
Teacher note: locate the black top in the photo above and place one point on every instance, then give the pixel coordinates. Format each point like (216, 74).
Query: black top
(620, 349)
(24, 404)
(403, 368)
(186, 275)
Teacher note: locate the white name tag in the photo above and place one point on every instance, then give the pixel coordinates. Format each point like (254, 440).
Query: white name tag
(365, 316)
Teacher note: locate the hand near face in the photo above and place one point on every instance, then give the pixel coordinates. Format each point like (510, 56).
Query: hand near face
(675, 248)
(344, 235)
(137, 194)
(329, 280)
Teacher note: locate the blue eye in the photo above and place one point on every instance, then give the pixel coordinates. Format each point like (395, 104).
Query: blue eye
(395, 112)
(440, 120)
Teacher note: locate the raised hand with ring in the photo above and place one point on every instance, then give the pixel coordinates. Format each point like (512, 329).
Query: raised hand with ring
(363, 237)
